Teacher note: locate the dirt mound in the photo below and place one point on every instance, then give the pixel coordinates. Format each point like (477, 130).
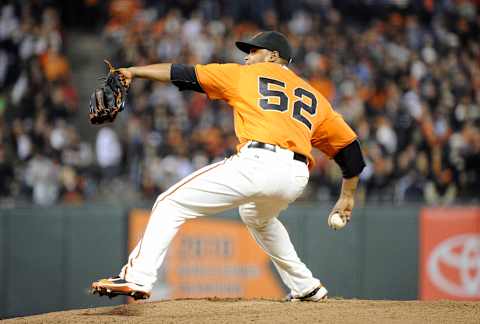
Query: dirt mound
(268, 311)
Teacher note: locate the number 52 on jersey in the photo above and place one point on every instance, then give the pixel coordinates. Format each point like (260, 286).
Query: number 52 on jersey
(274, 96)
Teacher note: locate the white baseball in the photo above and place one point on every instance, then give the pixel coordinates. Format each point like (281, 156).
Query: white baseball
(336, 221)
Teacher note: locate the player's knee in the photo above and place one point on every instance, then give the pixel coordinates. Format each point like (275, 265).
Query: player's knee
(253, 221)
(168, 209)
(245, 218)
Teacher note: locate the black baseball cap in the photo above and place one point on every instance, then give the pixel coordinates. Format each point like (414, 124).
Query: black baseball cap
(270, 40)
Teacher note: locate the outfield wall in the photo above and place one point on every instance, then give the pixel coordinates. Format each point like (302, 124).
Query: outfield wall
(48, 257)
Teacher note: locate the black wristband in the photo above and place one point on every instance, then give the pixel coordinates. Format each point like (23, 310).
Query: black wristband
(350, 160)
(184, 78)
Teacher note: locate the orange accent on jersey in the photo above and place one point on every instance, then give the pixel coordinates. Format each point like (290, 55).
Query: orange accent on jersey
(271, 104)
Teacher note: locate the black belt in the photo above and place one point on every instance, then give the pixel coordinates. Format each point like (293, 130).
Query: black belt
(273, 148)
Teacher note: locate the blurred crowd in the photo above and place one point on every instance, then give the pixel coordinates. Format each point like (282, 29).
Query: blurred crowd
(40, 151)
(404, 74)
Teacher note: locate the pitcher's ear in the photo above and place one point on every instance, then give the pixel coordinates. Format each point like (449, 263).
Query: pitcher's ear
(273, 57)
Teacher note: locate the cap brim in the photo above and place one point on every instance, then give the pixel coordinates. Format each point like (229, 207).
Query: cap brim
(246, 47)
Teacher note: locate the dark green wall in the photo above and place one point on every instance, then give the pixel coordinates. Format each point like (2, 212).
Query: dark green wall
(49, 257)
(391, 250)
(3, 260)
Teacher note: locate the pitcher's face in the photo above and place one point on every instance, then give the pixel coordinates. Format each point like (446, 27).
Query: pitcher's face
(258, 55)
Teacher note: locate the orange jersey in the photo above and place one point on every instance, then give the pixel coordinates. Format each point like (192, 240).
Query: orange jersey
(271, 104)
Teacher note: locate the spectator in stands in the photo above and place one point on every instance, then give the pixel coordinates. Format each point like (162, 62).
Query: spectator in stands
(6, 174)
(109, 153)
(43, 176)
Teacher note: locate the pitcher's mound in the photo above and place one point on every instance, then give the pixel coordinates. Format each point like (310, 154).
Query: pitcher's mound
(268, 311)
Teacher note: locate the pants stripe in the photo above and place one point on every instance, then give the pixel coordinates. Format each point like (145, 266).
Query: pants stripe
(168, 193)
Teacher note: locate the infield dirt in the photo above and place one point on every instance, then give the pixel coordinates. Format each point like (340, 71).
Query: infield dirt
(268, 311)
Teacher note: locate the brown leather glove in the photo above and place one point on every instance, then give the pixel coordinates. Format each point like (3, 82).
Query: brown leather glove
(109, 99)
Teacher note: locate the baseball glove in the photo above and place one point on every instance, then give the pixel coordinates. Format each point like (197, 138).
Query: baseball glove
(109, 99)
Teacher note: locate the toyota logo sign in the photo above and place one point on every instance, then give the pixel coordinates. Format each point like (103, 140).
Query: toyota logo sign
(454, 265)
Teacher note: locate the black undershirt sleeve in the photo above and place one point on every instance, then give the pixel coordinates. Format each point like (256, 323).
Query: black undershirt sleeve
(184, 78)
(350, 160)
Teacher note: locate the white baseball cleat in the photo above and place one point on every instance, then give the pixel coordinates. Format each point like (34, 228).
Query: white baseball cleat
(318, 294)
(115, 286)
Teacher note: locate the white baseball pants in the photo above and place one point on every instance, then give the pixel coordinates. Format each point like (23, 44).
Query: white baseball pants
(260, 182)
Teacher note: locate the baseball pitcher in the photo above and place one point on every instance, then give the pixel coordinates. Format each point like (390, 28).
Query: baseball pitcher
(278, 119)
